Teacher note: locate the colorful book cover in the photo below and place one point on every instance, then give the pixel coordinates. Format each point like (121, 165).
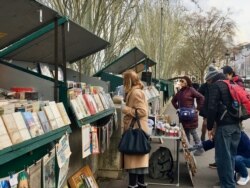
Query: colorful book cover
(51, 118)
(56, 114)
(63, 172)
(4, 137)
(49, 179)
(12, 129)
(38, 123)
(21, 125)
(85, 106)
(23, 180)
(93, 102)
(5, 184)
(44, 121)
(30, 123)
(94, 142)
(63, 113)
(86, 140)
(89, 103)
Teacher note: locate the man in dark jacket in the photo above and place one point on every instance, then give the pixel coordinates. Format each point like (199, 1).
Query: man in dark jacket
(227, 135)
(230, 75)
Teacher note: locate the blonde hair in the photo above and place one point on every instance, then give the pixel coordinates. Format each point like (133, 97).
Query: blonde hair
(130, 79)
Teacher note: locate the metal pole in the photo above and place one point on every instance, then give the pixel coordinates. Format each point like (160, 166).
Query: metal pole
(64, 54)
(160, 51)
(56, 60)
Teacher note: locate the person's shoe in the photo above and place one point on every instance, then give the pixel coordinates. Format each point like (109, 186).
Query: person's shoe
(196, 147)
(140, 185)
(212, 165)
(133, 186)
(243, 181)
(199, 152)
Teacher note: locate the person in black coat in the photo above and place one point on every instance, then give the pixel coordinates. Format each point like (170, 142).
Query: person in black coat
(227, 135)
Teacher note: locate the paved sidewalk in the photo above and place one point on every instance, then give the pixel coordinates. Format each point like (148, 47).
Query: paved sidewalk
(204, 178)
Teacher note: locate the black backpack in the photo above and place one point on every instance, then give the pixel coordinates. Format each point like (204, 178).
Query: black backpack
(161, 164)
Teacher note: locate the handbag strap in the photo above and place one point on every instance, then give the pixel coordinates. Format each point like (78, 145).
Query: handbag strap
(135, 119)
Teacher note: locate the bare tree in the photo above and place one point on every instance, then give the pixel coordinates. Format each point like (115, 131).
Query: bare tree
(113, 20)
(148, 34)
(206, 39)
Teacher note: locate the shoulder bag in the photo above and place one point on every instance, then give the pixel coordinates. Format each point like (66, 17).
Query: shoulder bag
(134, 141)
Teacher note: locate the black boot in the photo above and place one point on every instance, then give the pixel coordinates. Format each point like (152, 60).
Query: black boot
(140, 185)
(132, 186)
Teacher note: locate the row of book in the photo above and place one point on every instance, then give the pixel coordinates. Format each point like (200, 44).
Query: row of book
(151, 92)
(85, 105)
(95, 139)
(40, 173)
(16, 127)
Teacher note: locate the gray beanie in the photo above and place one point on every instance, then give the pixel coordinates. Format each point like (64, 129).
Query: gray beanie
(211, 73)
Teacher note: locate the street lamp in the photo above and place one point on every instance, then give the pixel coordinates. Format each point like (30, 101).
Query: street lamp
(227, 54)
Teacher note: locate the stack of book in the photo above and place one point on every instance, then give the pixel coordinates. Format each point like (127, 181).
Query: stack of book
(19, 125)
(86, 104)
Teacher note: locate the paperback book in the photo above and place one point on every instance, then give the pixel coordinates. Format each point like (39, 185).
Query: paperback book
(12, 129)
(86, 140)
(51, 118)
(63, 113)
(44, 121)
(4, 137)
(37, 123)
(56, 113)
(18, 118)
(30, 123)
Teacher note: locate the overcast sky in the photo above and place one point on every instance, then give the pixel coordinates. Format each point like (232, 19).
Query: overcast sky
(240, 10)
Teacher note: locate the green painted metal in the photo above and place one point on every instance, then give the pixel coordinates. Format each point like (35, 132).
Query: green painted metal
(30, 72)
(18, 44)
(19, 156)
(94, 118)
(114, 80)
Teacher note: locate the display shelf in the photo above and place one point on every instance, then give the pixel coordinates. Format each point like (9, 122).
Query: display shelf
(93, 118)
(153, 99)
(27, 146)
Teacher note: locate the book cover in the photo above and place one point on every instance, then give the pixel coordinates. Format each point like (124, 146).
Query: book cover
(21, 125)
(76, 109)
(30, 123)
(36, 106)
(83, 177)
(81, 106)
(98, 102)
(12, 129)
(44, 69)
(86, 140)
(23, 179)
(110, 101)
(94, 141)
(4, 137)
(104, 102)
(63, 172)
(63, 113)
(89, 103)
(49, 179)
(85, 106)
(44, 121)
(93, 102)
(51, 118)
(56, 114)
(35, 173)
(38, 123)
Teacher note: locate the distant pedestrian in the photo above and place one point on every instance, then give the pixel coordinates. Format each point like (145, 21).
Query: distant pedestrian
(136, 165)
(185, 97)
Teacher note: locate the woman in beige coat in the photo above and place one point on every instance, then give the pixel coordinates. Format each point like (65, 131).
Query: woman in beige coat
(136, 165)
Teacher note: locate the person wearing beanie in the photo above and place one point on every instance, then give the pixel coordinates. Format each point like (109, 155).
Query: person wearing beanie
(185, 97)
(227, 134)
(211, 73)
(230, 75)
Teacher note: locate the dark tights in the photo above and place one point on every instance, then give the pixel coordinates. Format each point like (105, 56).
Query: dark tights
(134, 178)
